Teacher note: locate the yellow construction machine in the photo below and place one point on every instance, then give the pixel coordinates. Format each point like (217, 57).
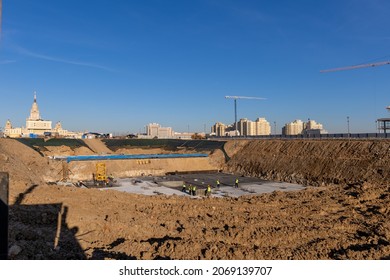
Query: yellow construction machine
(100, 178)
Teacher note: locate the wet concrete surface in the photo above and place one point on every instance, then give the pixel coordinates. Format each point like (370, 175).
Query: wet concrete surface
(172, 185)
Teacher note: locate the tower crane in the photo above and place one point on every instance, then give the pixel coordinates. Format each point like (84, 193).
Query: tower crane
(356, 66)
(374, 64)
(235, 106)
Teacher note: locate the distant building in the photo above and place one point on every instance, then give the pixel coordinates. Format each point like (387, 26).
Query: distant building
(311, 124)
(262, 127)
(298, 127)
(36, 126)
(10, 131)
(183, 135)
(245, 127)
(383, 125)
(154, 130)
(294, 128)
(218, 129)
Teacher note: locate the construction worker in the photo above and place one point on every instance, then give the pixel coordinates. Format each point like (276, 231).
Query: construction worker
(236, 183)
(193, 190)
(184, 188)
(218, 184)
(208, 191)
(111, 178)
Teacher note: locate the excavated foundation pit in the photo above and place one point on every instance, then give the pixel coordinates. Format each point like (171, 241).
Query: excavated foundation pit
(166, 174)
(173, 184)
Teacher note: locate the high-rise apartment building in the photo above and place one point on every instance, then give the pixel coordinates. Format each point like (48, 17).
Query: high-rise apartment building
(245, 127)
(311, 124)
(262, 126)
(218, 129)
(294, 128)
(298, 127)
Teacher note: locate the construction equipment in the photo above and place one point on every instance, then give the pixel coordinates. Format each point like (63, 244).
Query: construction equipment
(235, 106)
(100, 175)
(356, 66)
(374, 64)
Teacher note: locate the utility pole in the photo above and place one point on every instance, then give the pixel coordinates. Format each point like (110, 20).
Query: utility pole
(348, 125)
(235, 106)
(275, 128)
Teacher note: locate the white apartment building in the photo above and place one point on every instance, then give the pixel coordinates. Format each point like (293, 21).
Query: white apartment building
(262, 126)
(252, 128)
(311, 124)
(298, 127)
(293, 128)
(155, 130)
(219, 129)
(245, 127)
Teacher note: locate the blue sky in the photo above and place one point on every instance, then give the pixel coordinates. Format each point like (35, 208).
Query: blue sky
(115, 66)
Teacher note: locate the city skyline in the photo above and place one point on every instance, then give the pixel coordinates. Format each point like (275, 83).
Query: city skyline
(207, 130)
(124, 64)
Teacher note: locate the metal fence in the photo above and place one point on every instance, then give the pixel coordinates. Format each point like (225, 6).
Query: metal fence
(311, 136)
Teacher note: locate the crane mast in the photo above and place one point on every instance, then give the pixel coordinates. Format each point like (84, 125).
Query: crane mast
(235, 106)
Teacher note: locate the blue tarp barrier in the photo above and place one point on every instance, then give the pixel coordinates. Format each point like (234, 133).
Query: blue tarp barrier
(141, 156)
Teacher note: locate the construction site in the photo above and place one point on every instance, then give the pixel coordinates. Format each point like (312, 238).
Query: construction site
(124, 199)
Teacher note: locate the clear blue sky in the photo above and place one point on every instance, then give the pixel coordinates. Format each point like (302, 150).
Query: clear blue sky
(115, 66)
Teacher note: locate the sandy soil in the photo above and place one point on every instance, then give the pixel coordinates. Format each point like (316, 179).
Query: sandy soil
(347, 219)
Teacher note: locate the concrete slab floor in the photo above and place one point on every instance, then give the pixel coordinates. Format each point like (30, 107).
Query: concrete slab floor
(172, 185)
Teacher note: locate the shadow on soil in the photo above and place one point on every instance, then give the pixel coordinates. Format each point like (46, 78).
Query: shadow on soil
(47, 235)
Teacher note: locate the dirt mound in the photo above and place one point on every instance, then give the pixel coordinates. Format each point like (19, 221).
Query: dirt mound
(25, 166)
(344, 221)
(66, 151)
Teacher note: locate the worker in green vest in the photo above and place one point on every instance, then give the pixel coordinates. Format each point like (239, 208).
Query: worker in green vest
(218, 183)
(193, 190)
(236, 183)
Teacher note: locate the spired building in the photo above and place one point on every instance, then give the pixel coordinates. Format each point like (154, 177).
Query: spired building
(36, 126)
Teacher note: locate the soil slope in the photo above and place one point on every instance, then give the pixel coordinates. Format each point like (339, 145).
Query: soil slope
(347, 219)
(314, 162)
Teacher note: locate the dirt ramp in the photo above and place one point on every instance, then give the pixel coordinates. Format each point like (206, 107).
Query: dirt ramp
(97, 146)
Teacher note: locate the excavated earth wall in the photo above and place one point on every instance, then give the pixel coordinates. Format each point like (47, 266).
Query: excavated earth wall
(314, 162)
(82, 170)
